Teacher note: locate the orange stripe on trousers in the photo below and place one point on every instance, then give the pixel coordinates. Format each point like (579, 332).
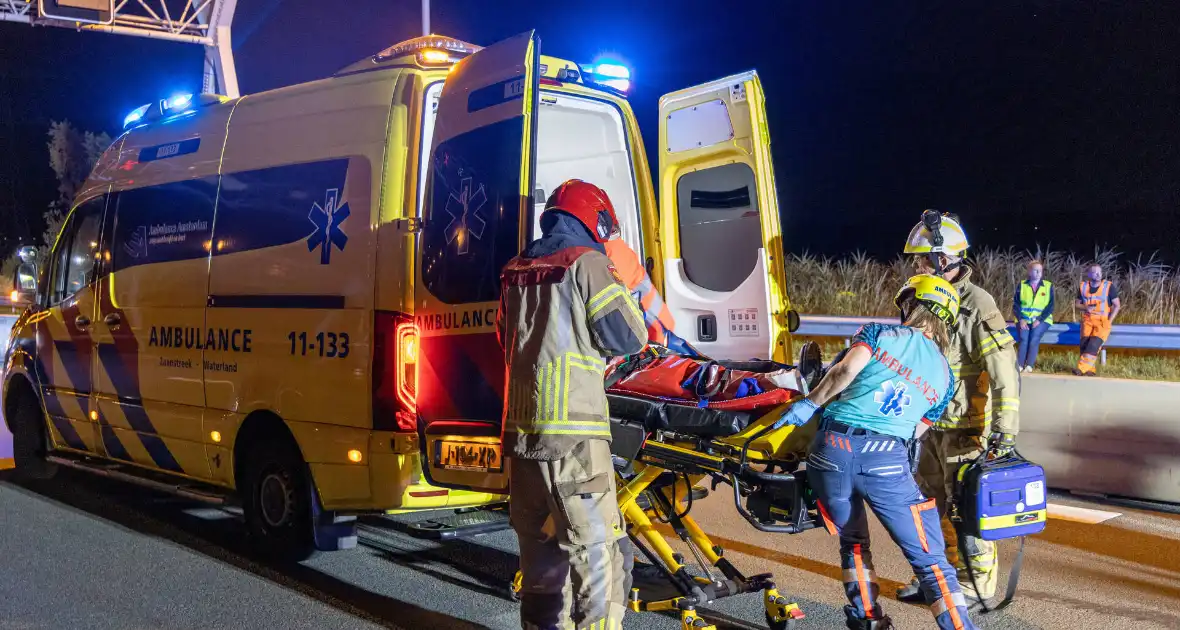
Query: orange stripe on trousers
(863, 582)
(946, 597)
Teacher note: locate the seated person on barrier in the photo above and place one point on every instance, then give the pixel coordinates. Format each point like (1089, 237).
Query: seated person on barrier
(563, 312)
(889, 387)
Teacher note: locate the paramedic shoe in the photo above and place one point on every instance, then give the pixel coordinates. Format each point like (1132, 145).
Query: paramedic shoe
(911, 593)
(811, 364)
(854, 622)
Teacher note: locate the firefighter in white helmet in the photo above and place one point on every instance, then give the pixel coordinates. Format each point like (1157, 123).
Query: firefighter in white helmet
(986, 405)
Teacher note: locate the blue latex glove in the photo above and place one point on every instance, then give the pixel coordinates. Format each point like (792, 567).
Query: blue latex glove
(798, 414)
(680, 346)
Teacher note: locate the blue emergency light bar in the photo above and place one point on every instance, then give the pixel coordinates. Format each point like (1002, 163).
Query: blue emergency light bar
(170, 107)
(614, 75)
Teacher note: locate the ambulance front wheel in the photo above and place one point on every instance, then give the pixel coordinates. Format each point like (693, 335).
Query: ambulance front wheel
(276, 500)
(30, 434)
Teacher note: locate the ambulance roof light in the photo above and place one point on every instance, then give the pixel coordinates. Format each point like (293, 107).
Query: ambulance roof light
(169, 108)
(136, 115)
(608, 74)
(611, 70)
(430, 49)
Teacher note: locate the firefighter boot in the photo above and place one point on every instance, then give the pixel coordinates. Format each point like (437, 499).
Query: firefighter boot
(911, 593)
(855, 622)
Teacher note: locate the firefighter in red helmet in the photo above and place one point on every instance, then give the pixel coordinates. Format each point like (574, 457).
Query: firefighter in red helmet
(564, 312)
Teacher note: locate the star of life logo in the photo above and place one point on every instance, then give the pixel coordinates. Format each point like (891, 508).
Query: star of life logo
(893, 398)
(466, 222)
(327, 220)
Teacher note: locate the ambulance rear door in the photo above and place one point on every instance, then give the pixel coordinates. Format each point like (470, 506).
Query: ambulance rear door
(475, 219)
(719, 222)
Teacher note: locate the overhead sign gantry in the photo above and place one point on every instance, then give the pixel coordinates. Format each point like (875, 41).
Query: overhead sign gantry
(203, 22)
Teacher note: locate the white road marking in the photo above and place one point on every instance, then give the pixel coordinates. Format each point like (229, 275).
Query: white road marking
(1080, 515)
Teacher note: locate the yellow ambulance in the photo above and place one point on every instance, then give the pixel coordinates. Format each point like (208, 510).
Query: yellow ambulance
(287, 300)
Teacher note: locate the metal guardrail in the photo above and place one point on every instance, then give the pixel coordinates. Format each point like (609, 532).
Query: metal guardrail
(1135, 336)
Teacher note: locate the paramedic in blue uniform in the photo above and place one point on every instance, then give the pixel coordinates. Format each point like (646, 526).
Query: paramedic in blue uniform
(891, 385)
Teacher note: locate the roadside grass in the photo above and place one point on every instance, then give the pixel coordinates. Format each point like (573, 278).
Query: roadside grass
(860, 286)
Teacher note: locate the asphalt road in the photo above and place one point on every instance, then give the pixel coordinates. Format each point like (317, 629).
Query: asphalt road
(81, 552)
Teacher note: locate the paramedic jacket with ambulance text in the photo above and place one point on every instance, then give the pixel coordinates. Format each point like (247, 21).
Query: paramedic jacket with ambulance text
(983, 359)
(563, 314)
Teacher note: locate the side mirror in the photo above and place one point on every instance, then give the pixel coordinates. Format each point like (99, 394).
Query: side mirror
(793, 321)
(24, 282)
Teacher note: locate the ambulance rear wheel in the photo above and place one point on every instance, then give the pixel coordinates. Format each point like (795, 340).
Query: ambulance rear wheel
(276, 500)
(30, 437)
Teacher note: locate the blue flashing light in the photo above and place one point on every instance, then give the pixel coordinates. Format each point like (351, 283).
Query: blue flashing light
(612, 70)
(178, 103)
(621, 85)
(136, 115)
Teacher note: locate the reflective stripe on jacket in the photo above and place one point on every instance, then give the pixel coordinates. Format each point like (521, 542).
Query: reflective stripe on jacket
(1037, 305)
(561, 317)
(656, 315)
(983, 360)
(1097, 302)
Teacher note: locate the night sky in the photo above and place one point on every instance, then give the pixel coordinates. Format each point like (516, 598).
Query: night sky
(1051, 122)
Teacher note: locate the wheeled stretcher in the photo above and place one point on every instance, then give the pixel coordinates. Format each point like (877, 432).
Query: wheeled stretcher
(667, 453)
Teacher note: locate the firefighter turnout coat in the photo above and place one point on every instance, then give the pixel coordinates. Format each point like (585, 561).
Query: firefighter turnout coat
(983, 360)
(563, 312)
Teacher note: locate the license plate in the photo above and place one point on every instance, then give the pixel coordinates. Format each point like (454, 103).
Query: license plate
(468, 456)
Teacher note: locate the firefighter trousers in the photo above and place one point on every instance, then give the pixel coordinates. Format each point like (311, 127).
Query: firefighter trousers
(943, 453)
(567, 520)
(851, 467)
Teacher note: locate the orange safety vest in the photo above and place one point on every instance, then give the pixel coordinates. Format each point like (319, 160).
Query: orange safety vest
(1097, 301)
(656, 315)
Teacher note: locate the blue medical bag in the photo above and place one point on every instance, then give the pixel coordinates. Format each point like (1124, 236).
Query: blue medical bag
(1001, 498)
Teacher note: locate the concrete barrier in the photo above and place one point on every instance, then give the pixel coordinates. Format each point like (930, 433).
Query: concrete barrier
(1102, 435)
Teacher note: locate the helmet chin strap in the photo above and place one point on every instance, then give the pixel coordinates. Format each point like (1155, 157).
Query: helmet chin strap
(941, 270)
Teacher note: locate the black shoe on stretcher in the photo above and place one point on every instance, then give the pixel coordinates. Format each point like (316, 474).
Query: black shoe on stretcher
(811, 364)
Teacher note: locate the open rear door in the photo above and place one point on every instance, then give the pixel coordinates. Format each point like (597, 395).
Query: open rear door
(476, 218)
(719, 221)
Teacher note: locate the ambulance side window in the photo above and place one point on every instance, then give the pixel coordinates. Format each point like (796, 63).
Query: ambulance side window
(74, 260)
(718, 213)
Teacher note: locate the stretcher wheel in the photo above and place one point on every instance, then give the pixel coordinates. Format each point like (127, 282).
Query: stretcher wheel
(787, 624)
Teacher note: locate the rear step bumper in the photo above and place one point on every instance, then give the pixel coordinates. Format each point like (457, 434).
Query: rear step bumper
(462, 524)
(145, 478)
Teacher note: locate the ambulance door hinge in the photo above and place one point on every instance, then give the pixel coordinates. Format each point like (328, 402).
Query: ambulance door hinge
(411, 225)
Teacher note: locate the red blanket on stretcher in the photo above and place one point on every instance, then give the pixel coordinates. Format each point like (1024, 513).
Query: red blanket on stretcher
(699, 383)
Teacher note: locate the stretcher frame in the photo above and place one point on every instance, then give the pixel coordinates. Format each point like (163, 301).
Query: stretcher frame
(746, 461)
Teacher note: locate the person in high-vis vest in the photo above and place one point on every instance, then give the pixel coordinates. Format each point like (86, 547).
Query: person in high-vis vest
(892, 383)
(985, 410)
(1033, 308)
(1099, 302)
(656, 315)
(563, 313)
